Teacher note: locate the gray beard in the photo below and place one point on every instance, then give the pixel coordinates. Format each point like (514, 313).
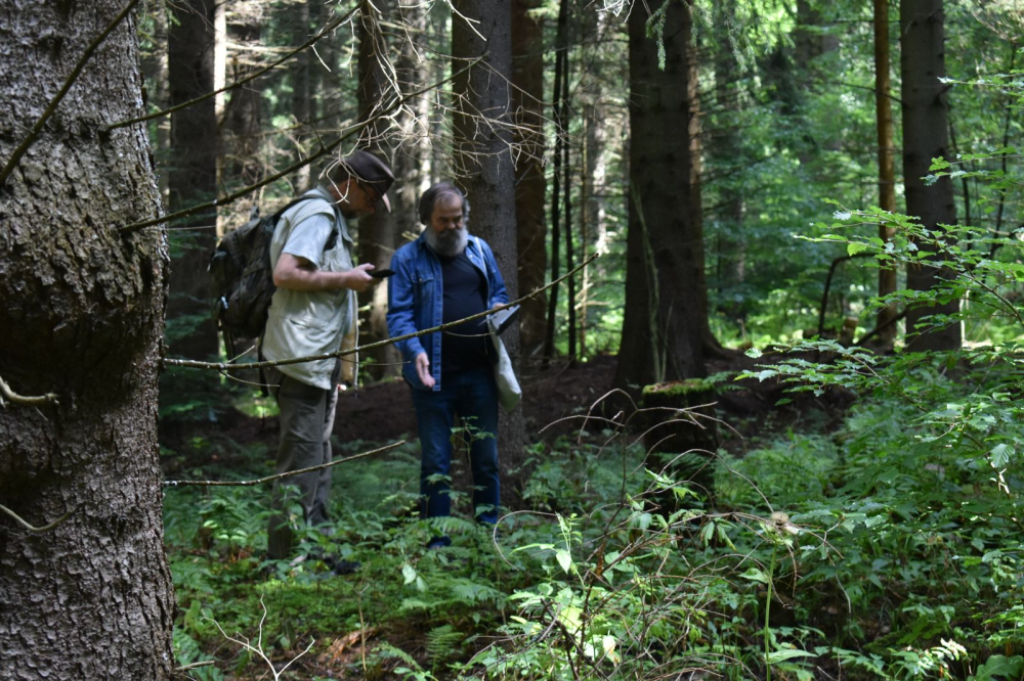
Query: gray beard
(449, 244)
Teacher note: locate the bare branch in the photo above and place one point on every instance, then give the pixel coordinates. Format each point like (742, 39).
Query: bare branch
(279, 476)
(52, 107)
(238, 83)
(225, 366)
(230, 198)
(10, 396)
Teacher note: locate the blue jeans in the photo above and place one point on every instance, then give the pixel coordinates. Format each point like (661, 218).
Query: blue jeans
(473, 395)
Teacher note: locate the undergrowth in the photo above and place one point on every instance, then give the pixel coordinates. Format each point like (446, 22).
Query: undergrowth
(887, 549)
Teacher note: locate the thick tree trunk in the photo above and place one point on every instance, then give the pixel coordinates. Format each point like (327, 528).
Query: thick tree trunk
(886, 164)
(527, 101)
(482, 138)
(926, 136)
(666, 322)
(378, 233)
(82, 318)
(193, 177)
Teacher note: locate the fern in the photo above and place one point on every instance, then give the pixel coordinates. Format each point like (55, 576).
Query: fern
(443, 643)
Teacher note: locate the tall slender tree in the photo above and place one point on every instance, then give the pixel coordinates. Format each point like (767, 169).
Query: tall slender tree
(193, 175)
(483, 137)
(886, 164)
(243, 109)
(926, 136)
(378, 233)
(82, 318)
(666, 324)
(527, 99)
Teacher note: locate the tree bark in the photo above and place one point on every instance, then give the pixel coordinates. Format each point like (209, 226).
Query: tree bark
(482, 154)
(378, 233)
(243, 112)
(303, 107)
(193, 176)
(926, 136)
(886, 164)
(666, 322)
(82, 318)
(527, 101)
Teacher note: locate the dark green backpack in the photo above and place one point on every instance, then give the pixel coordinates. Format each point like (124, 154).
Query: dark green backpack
(242, 278)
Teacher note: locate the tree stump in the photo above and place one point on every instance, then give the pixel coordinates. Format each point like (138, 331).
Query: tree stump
(681, 436)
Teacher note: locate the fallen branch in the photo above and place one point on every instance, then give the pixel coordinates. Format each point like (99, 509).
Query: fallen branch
(271, 478)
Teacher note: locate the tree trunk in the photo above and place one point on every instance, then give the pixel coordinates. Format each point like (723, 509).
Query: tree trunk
(243, 114)
(481, 142)
(301, 76)
(527, 101)
(886, 164)
(926, 136)
(82, 318)
(193, 177)
(378, 233)
(666, 322)
(155, 91)
(727, 152)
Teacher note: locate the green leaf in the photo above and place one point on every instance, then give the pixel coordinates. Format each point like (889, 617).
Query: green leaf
(564, 559)
(786, 654)
(855, 247)
(755, 575)
(409, 573)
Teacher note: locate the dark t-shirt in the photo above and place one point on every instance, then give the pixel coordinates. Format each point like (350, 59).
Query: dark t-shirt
(465, 290)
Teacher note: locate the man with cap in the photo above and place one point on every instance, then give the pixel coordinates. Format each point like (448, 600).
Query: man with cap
(313, 309)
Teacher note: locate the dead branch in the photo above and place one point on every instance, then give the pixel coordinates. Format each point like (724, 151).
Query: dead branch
(278, 476)
(29, 401)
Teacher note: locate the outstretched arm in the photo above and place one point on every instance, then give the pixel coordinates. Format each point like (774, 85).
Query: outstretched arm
(299, 274)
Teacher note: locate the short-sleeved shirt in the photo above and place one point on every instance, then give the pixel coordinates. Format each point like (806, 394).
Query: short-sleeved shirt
(305, 323)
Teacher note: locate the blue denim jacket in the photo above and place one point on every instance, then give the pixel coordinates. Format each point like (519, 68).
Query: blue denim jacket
(416, 300)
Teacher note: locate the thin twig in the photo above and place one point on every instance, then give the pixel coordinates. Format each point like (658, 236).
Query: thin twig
(29, 401)
(38, 127)
(224, 366)
(31, 528)
(278, 476)
(230, 198)
(238, 83)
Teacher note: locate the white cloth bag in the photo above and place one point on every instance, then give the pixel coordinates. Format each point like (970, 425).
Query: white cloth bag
(509, 392)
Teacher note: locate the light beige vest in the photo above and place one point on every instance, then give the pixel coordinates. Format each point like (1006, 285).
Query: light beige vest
(305, 323)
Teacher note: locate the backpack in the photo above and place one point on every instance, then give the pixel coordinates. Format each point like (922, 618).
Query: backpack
(242, 278)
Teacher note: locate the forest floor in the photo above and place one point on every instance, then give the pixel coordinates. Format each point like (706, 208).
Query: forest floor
(553, 400)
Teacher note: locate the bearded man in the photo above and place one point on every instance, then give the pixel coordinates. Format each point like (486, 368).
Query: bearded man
(443, 276)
